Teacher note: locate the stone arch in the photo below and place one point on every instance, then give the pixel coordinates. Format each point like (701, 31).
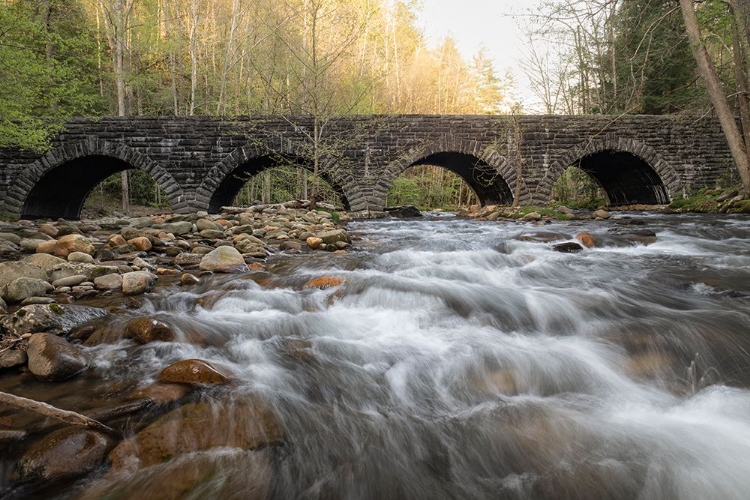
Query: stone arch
(221, 184)
(652, 180)
(46, 188)
(483, 168)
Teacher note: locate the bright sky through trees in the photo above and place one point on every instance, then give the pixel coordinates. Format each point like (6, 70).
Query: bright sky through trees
(492, 24)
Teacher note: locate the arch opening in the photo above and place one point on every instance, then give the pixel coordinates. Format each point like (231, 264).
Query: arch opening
(267, 179)
(63, 190)
(484, 180)
(625, 178)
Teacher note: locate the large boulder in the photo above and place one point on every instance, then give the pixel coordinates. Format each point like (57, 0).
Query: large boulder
(54, 358)
(196, 427)
(21, 289)
(67, 452)
(52, 318)
(73, 243)
(10, 271)
(224, 259)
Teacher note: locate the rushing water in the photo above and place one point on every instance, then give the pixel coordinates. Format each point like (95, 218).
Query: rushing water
(464, 359)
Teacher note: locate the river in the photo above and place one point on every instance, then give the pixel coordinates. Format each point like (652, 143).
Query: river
(465, 359)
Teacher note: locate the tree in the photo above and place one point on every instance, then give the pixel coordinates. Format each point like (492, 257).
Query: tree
(707, 71)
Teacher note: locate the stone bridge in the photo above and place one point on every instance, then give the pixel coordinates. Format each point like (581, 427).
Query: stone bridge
(201, 163)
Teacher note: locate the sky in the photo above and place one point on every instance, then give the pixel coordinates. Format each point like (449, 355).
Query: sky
(492, 24)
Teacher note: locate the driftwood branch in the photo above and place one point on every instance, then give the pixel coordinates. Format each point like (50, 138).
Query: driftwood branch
(69, 417)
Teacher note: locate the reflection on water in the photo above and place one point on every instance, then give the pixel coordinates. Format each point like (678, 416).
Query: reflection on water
(460, 359)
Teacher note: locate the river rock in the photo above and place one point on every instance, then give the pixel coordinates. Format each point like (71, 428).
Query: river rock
(532, 217)
(586, 239)
(73, 243)
(141, 243)
(567, 247)
(136, 282)
(331, 237)
(11, 237)
(406, 211)
(189, 279)
(147, 329)
(23, 288)
(45, 261)
(68, 452)
(224, 259)
(30, 245)
(193, 372)
(324, 282)
(600, 214)
(12, 358)
(181, 228)
(53, 318)
(204, 224)
(200, 426)
(47, 247)
(49, 230)
(162, 394)
(54, 358)
(314, 242)
(74, 280)
(108, 282)
(116, 240)
(80, 257)
(11, 271)
(187, 259)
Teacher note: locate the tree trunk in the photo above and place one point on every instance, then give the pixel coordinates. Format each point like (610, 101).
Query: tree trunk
(716, 93)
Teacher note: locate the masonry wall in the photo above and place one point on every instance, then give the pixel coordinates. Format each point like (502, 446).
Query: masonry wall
(191, 156)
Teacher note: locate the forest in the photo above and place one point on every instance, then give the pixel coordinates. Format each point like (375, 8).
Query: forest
(332, 58)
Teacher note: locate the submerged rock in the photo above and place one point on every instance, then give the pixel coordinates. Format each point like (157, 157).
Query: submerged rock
(198, 427)
(193, 372)
(54, 358)
(146, 330)
(567, 247)
(68, 452)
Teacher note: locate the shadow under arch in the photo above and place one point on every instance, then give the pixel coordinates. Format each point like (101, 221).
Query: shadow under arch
(486, 173)
(225, 180)
(628, 171)
(58, 183)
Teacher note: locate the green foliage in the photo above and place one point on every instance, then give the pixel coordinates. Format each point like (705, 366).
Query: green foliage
(428, 187)
(280, 184)
(576, 189)
(47, 70)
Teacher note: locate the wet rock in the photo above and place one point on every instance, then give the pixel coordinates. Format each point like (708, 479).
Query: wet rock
(195, 427)
(52, 318)
(224, 259)
(290, 245)
(80, 257)
(73, 243)
(11, 271)
(146, 330)
(331, 237)
(324, 282)
(211, 474)
(189, 279)
(23, 288)
(108, 282)
(600, 214)
(543, 237)
(136, 282)
(567, 247)
(406, 211)
(162, 394)
(192, 372)
(66, 453)
(53, 358)
(586, 239)
(12, 358)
